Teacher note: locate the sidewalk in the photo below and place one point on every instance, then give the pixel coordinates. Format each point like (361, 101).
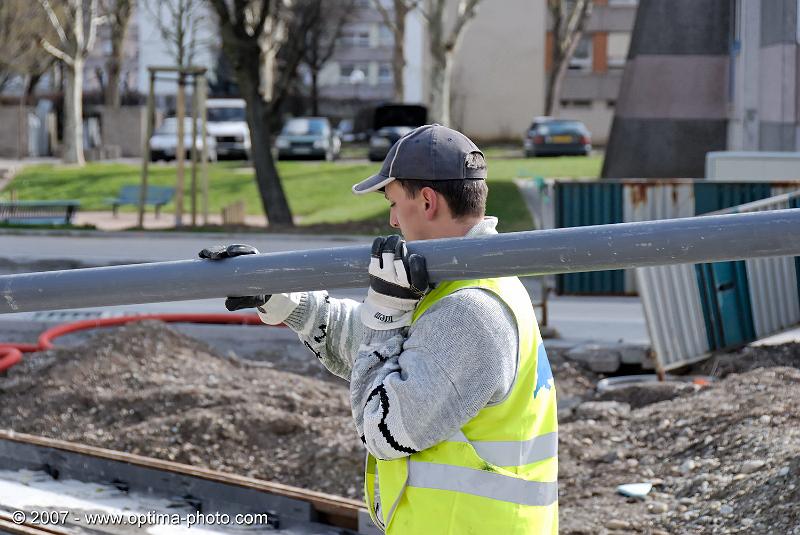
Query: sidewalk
(126, 220)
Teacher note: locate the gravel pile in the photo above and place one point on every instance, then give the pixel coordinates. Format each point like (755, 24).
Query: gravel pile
(722, 459)
(146, 389)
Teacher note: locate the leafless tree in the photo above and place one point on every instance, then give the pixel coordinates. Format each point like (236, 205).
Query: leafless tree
(569, 21)
(178, 22)
(325, 27)
(255, 33)
(75, 23)
(395, 20)
(118, 14)
(444, 39)
(21, 25)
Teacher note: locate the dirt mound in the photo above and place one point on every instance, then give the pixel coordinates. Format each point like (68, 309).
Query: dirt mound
(724, 459)
(146, 389)
(750, 358)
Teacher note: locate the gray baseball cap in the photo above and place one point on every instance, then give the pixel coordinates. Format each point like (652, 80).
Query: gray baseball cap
(431, 152)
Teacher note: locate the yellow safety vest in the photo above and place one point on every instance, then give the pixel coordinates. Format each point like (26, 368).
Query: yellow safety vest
(498, 474)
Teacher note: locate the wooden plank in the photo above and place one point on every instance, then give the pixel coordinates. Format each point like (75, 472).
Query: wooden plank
(338, 510)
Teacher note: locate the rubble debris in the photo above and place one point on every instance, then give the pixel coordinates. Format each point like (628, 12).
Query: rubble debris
(635, 490)
(720, 459)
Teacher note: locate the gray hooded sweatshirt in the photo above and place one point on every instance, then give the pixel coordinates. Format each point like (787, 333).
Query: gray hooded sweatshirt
(414, 387)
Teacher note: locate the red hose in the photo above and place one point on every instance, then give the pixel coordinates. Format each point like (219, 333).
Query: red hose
(11, 354)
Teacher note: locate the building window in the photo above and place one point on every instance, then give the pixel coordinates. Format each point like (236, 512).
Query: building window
(582, 58)
(385, 75)
(576, 104)
(618, 43)
(356, 38)
(346, 71)
(611, 104)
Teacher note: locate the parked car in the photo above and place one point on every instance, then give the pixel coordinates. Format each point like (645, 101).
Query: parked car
(164, 142)
(227, 122)
(557, 137)
(390, 123)
(308, 137)
(347, 133)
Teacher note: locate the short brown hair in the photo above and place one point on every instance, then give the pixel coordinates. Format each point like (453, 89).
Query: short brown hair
(465, 198)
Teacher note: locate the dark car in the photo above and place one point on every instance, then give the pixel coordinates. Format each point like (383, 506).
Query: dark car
(308, 137)
(557, 137)
(390, 123)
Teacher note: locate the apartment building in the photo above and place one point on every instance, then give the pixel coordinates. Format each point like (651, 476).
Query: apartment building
(592, 83)
(360, 71)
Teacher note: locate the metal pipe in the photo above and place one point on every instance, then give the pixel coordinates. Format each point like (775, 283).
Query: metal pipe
(567, 250)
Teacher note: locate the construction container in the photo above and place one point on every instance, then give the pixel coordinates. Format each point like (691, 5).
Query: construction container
(694, 310)
(573, 203)
(752, 165)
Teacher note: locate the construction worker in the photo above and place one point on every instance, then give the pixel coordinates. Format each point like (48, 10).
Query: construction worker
(451, 390)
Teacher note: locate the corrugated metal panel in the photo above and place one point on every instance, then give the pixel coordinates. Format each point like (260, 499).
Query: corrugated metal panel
(713, 196)
(673, 302)
(794, 202)
(589, 203)
(595, 202)
(648, 201)
(774, 308)
(672, 307)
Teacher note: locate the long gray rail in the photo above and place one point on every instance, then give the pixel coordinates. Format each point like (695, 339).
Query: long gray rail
(567, 250)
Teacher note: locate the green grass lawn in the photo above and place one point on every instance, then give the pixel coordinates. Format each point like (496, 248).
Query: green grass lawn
(318, 192)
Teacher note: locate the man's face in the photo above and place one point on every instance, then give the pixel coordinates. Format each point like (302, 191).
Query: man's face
(407, 214)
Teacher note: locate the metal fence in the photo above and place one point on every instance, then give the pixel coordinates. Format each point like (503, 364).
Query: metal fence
(558, 203)
(694, 310)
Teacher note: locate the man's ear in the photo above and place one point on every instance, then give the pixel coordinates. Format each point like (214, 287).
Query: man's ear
(431, 202)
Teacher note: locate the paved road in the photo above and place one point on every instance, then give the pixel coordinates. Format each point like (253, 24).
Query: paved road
(603, 319)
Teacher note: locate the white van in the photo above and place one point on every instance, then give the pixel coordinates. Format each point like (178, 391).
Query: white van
(227, 123)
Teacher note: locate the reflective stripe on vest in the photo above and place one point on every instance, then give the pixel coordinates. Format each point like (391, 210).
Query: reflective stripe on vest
(513, 453)
(481, 483)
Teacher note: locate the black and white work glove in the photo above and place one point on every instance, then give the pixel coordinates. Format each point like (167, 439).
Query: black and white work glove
(398, 280)
(273, 309)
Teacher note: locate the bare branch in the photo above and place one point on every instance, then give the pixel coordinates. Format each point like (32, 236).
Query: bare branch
(264, 14)
(94, 20)
(466, 12)
(387, 17)
(51, 14)
(419, 5)
(575, 23)
(57, 53)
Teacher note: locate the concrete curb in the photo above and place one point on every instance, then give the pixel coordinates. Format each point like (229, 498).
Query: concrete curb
(116, 234)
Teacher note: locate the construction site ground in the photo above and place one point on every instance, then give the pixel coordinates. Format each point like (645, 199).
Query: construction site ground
(722, 458)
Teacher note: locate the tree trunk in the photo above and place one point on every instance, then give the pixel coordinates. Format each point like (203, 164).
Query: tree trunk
(441, 74)
(72, 149)
(398, 51)
(273, 198)
(314, 93)
(180, 150)
(112, 94)
(557, 75)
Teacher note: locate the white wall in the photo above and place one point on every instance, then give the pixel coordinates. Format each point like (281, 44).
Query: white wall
(416, 50)
(499, 80)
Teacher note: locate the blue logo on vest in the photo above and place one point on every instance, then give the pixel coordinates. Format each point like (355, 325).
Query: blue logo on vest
(544, 375)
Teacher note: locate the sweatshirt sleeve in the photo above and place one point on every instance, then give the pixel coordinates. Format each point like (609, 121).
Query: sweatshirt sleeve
(410, 393)
(330, 328)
